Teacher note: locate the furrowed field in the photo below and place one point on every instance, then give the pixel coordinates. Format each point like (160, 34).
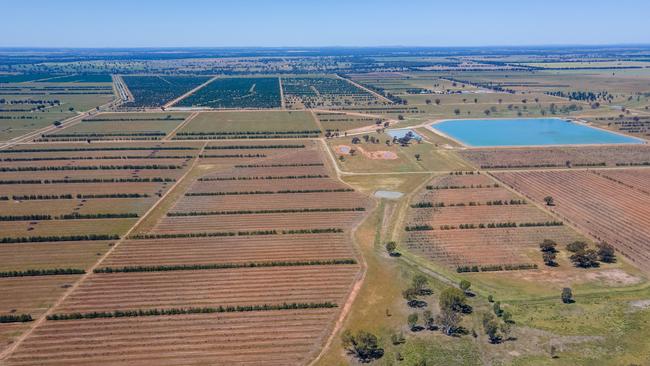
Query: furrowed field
(467, 220)
(251, 261)
(64, 205)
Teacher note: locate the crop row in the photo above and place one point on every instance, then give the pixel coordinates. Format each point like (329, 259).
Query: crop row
(255, 147)
(99, 167)
(95, 180)
(42, 272)
(234, 233)
(235, 193)
(257, 212)
(55, 238)
(184, 311)
(195, 267)
(99, 158)
(308, 176)
(40, 197)
(76, 149)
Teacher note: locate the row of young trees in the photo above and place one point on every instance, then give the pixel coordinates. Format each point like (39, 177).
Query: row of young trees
(197, 267)
(185, 311)
(306, 176)
(256, 212)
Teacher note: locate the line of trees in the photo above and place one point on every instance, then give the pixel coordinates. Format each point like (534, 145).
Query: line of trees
(55, 238)
(185, 311)
(255, 147)
(42, 272)
(256, 212)
(97, 167)
(195, 267)
(307, 176)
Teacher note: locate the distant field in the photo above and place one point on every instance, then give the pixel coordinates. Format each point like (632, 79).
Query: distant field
(261, 92)
(323, 92)
(120, 126)
(155, 91)
(253, 125)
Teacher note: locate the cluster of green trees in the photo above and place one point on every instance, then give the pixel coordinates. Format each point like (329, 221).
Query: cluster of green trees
(185, 311)
(55, 238)
(585, 257)
(257, 212)
(496, 267)
(42, 272)
(196, 267)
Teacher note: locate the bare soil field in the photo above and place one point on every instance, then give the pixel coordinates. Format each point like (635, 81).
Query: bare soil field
(274, 338)
(183, 262)
(470, 220)
(607, 210)
(554, 157)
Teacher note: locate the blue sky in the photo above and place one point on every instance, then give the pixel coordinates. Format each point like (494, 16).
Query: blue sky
(173, 23)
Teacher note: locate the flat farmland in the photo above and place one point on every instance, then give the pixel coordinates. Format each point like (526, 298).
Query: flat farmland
(64, 205)
(155, 90)
(266, 238)
(286, 337)
(558, 157)
(23, 256)
(120, 126)
(466, 219)
(25, 107)
(605, 209)
(338, 122)
(249, 93)
(231, 249)
(324, 92)
(250, 125)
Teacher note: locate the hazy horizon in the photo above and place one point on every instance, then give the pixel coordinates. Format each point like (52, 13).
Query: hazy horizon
(333, 23)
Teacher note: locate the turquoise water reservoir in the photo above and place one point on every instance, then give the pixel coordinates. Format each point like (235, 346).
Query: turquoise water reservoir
(527, 132)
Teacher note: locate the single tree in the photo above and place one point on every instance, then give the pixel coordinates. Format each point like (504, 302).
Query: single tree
(453, 299)
(491, 327)
(417, 157)
(606, 252)
(549, 258)
(412, 321)
(548, 245)
(363, 345)
(419, 283)
(465, 285)
(448, 320)
(567, 295)
(576, 246)
(549, 201)
(390, 247)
